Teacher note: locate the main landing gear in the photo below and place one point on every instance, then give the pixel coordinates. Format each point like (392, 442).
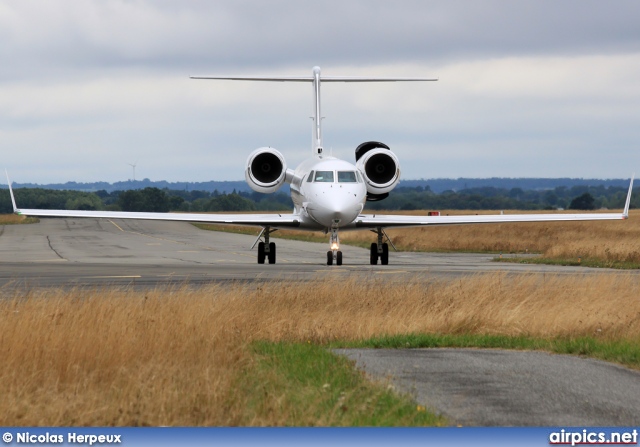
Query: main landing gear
(380, 250)
(266, 249)
(334, 254)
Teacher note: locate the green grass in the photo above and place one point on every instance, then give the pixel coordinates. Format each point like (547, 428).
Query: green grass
(583, 262)
(308, 385)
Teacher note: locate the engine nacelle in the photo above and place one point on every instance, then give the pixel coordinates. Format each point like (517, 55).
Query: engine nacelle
(266, 170)
(379, 167)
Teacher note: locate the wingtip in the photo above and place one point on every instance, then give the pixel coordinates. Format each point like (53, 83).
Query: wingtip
(13, 199)
(627, 204)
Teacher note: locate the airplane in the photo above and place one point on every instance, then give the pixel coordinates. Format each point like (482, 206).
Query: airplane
(329, 194)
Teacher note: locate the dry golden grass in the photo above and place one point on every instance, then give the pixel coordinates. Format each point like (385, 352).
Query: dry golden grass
(12, 219)
(178, 357)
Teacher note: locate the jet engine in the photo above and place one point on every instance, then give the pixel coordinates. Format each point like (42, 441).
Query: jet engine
(379, 167)
(266, 170)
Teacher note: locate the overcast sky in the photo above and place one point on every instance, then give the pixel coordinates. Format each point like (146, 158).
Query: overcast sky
(540, 88)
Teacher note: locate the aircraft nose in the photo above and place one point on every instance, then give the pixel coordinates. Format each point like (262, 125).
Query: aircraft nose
(336, 210)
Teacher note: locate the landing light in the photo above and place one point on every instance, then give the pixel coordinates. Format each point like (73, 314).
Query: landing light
(334, 246)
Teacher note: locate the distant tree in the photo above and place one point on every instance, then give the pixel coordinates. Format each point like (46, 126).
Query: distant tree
(175, 202)
(130, 200)
(156, 200)
(88, 203)
(230, 202)
(583, 202)
(148, 199)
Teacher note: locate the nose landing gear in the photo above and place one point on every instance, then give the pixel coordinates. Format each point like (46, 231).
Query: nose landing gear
(334, 254)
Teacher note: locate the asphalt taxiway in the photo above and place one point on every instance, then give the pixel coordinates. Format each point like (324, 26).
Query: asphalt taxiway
(100, 252)
(488, 387)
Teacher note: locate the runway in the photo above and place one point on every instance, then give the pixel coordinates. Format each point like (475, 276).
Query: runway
(102, 252)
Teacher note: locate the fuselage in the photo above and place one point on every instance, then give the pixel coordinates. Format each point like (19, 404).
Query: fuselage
(327, 193)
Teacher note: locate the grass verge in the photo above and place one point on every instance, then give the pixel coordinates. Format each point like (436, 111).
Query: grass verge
(306, 385)
(14, 219)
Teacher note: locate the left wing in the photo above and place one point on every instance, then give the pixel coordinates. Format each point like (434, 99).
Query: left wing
(386, 221)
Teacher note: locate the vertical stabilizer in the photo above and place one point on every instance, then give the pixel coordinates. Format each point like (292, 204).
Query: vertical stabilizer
(317, 114)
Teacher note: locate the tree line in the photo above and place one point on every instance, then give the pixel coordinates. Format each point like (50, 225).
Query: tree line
(491, 198)
(153, 199)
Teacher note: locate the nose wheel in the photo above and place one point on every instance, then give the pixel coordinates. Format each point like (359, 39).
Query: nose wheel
(334, 255)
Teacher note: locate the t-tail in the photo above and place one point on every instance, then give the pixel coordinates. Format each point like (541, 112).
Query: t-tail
(316, 79)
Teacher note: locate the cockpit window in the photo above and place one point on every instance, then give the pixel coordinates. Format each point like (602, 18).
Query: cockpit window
(359, 177)
(324, 176)
(310, 179)
(347, 177)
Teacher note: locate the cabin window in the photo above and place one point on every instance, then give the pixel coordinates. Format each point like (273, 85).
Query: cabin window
(347, 177)
(324, 176)
(310, 178)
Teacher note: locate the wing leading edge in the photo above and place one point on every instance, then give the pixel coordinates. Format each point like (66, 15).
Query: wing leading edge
(386, 221)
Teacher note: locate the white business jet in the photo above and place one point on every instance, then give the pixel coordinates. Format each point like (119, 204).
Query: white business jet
(329, 194)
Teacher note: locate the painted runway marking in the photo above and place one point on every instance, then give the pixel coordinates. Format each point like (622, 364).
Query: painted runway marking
(116, 276)
(117, 226)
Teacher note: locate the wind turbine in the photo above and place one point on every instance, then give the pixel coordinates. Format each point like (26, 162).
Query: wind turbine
(134, 169)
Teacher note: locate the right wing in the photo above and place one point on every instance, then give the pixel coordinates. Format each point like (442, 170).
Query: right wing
(260, 220)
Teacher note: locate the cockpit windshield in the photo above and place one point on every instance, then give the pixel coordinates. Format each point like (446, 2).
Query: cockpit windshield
(324, 176)
(347, 177)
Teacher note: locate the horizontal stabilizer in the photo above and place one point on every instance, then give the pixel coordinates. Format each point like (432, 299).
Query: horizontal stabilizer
(310, 78)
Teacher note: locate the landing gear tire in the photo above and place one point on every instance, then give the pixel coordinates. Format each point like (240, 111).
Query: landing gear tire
(339, 258)
(329, 258)
(272, 253)
(384, 257)
(261, 253)
(373, 254)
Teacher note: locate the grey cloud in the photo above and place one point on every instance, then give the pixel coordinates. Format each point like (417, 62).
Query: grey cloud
(215, 35)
